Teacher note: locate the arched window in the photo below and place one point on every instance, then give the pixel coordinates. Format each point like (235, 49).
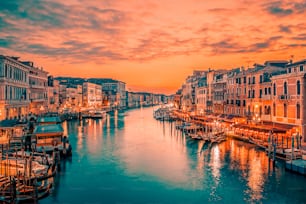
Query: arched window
(274, 109)
(285, 88)
(274, 89)
(298, 87)
(298, 111)
(268, 110)
(285, 110)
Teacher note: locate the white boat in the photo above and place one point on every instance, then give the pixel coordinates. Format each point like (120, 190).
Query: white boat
(12, 167)
(95, 114)
(41, 158)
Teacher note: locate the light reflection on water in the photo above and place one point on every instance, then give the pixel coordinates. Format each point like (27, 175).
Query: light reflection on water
(131, 158)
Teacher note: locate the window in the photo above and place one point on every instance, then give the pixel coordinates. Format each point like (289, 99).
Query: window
(267, 110)
(285, 110)
(244, 80)
(253, 80)
(298, 87)
(274, 109)
(266, 91)
(285, 88)
(289, 70)
(269, 90)
(260, 79)
(298, 111)
(274, 89)
(260, 93)
(301, 68)
(253, 95)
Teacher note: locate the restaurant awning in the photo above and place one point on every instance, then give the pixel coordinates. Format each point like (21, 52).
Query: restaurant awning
(261, 128)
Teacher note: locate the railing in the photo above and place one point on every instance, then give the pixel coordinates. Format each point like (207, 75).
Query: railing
(284, 97)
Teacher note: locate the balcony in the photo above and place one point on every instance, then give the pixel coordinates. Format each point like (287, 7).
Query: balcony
(37, 99)
(36, 86)
(284, 97)
(266, 97)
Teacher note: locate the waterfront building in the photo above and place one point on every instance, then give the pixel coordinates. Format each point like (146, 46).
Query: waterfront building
(288, 97)
(53, 94)
(92, 95)
(189, 91)
(14, 88)
(62, 95)
(201, 99)
(38, 80)
(205, 92)
(74, 97)
(258, 89)
(219, 93)
(133, 99)
(235, 92)
(114, 91)
(177, 99)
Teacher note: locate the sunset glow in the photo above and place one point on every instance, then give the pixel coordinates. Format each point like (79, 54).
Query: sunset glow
(151, 45)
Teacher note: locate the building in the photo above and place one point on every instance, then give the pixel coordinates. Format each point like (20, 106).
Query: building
(134, 99)
(288, 97)
(53, 94)
(114, 92)
(219, 86)
(92, 95)
(74, 97)
(14, 88)
(38, 80)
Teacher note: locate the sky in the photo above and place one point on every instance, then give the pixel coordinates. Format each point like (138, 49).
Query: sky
(152, 45)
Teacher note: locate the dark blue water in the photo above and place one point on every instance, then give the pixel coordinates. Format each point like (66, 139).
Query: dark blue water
(132, 158)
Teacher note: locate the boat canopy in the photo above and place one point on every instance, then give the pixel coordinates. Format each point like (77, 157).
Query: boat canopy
(49, 120)
(54, 128)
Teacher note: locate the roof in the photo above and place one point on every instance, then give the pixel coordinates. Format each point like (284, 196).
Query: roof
(8, 123)
(49, 120)
(297, 63)
(48, 128)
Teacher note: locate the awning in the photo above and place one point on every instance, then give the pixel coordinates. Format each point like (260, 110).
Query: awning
(261, 128)
(48, 129)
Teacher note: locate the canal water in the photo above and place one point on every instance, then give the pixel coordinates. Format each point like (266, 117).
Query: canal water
(132, 158)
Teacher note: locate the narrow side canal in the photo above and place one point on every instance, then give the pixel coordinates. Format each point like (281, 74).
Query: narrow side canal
(132, 158)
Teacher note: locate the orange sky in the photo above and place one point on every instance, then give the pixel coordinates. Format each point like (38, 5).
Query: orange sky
(151, 45)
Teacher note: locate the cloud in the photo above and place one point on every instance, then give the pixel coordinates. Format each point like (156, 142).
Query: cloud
(284, 29)
(230, 45)
(301, 37)
(285, 8)
(105, 31)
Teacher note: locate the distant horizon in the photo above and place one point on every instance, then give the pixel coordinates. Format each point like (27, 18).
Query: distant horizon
(151, 45)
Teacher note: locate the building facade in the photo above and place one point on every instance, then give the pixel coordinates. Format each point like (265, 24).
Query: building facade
(14, 88)
(92, 95)
(53, 94)
(38, 80)
(288, 97)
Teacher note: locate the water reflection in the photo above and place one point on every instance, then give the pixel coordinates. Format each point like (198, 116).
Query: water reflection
(146, 161)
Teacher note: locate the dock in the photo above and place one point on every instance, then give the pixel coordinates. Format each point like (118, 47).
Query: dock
(297, 166)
